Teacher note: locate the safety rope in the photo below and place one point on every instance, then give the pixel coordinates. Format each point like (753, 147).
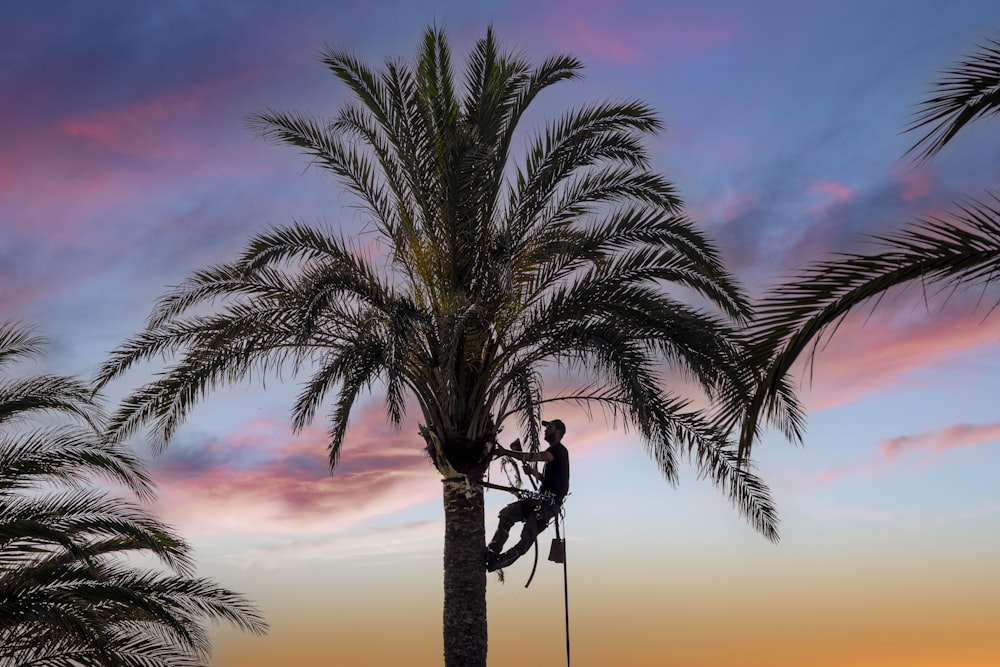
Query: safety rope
(565, 580)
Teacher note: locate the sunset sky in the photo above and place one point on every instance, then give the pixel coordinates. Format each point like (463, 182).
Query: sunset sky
(125, 164)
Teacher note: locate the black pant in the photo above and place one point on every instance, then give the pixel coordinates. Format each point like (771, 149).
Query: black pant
(536, 515)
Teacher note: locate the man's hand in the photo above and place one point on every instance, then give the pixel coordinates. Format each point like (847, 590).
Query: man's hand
(514, 452)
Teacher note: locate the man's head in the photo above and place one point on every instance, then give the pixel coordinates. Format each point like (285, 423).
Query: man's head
(554, 430)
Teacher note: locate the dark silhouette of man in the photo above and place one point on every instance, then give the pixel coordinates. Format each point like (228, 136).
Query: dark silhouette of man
(535, 513)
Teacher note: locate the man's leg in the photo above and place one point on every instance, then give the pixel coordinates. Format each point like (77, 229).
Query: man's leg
(508, 516)
(534, 523)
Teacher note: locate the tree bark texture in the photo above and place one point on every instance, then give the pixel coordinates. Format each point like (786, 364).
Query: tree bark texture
(465, 638)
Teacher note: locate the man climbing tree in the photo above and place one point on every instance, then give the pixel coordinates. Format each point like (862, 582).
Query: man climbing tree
(536, 513)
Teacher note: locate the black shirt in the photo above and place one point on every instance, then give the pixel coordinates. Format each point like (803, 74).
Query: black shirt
(555, 475)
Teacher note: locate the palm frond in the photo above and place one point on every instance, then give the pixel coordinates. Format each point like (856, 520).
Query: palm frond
(68, 595)
(969, 91)
(946, 253)
(68, 453)
(18, 341)
(24, 397)
(90, 523)
(580, 139)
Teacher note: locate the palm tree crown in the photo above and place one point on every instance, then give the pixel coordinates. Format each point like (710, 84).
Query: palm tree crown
(494, 271)
(66, 595)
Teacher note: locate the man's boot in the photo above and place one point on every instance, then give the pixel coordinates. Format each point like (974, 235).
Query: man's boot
(505, 559)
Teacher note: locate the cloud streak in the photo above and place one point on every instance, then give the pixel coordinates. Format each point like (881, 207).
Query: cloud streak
(899, 454)
(937, 442)
(403, 541)
(876, 352)
(262, 479)
(606, 34)
(827, 195)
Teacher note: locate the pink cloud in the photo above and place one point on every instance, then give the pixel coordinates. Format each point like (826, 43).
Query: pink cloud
(16, 292)
(827, 194)
(914, 183)
(878, 467)
(404, 540)
(83, 197)
(892, 447)
(137, 129)
(952, 437)
(617, 48)
(892, 454)
(857, 513)
(866, 357)
(605, 32)
(728, 207)
(264, 479)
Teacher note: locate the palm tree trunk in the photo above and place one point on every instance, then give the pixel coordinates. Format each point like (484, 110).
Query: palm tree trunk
(464, 576)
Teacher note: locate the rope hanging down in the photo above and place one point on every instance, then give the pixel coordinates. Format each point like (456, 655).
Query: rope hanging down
(562, 542)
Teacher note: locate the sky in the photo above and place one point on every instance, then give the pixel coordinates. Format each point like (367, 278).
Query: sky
(126, 164)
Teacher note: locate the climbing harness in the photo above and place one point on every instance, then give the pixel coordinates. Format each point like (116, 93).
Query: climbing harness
(523, 494)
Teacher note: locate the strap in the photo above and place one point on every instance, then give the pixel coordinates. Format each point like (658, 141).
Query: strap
(533, 565)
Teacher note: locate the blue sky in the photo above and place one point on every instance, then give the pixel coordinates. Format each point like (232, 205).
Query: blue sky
(126, 164)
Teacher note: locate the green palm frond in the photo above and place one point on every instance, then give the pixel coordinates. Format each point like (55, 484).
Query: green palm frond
(108, 610)
(23, 398)
(273, 314)
(616, 340)
(969, 91)
(356, 368)
(68, 596)
(17, 342)
(748, 492)
(345, 162)
(947, 254)
(607, 132)
(89, 524)
(69, 454)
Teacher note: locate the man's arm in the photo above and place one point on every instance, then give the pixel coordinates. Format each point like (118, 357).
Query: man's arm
(525, 456)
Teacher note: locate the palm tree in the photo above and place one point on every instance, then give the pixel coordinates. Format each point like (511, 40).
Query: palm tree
(961, 250)
(67, 596)
(495, 271)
